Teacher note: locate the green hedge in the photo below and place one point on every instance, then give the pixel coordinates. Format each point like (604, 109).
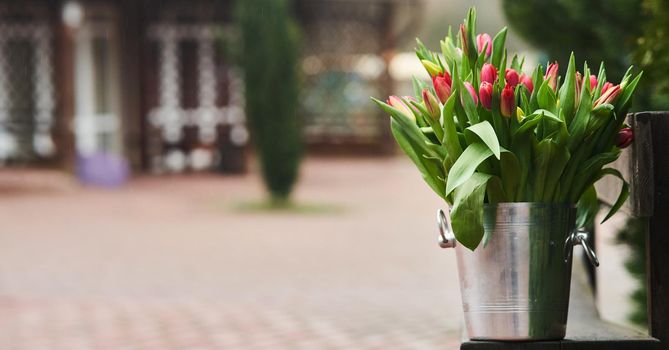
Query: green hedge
(269, 57)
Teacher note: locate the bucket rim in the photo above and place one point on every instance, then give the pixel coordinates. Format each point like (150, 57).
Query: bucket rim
(532, 205)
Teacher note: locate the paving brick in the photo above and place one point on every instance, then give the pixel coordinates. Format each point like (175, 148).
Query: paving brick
(169, 263)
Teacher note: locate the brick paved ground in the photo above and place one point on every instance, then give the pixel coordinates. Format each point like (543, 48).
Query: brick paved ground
(167, 263)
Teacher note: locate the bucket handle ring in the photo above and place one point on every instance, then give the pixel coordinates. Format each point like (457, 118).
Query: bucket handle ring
(446, 237)
(580, 236)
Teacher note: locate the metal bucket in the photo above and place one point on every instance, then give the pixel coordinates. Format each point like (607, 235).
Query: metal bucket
(515, 285)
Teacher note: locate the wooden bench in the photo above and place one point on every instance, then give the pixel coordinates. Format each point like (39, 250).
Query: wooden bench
(646, 166)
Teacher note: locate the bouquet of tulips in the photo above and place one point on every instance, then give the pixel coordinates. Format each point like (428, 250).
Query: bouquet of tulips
(485, 132)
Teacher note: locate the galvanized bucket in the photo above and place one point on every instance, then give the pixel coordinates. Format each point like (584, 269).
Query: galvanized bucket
(515, 285)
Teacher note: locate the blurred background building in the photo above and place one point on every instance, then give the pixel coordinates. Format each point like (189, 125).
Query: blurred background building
(108, 86)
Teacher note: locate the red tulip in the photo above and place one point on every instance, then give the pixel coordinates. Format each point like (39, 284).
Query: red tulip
(527, 81)
(431, 104)
(463, 39)
(609, 96)
(472, 92)
(508, 102)
(485, 92)
(442, 86)
(511, 77)
(488, 73)
(606, 86)
(625, 137)
(481, 41)
(593, 82)
(398, 104)
(552, 75)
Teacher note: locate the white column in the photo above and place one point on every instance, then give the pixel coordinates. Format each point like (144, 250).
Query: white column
(7, 143)
(206, 114)
(169, 116)
(85, 131)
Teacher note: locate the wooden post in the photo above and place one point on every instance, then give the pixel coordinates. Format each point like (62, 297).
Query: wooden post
(652, 143)
(64, 83)
(132, 39)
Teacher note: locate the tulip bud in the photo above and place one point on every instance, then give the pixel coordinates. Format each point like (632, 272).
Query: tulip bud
(463, 39)
(458, 53)
(552, 75)
(625, 137)
(481, 41)
(432, 68)
(593, 82)
(442, 86)
(413, 108)
(485, 92)
(472, 92)
(527, 81)
(609, 96)
(431, 104)
(508, 102)
(511, 77)
(398, 104)
(578, 84)
(606, 86)
(488, 73)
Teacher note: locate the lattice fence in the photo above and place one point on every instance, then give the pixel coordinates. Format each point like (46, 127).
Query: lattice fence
(342, 67)
(199, 98)
(27, 103)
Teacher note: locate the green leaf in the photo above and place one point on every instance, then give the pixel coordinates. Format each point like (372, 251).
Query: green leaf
(527, 125)
(450, 141)
(466, 165)
(408, 126)
(601, 80)
(430, 170)
(587, 207)
(600, 117)
(546, 98)
(589, 170)
(418, 86)
(515, 64)
(467, 213)
(556, 166)
(543, 154)
(568, 89)
(447, 48)
(487, 134)
(471, 35)
(626, 96)
(500, 122)
(498, 47)
(495, 190)
(624, 191)
(579, 124)
(432, 122)
(422, 52)
(510, 170)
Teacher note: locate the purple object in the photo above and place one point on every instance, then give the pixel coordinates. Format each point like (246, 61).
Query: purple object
(104, 170)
